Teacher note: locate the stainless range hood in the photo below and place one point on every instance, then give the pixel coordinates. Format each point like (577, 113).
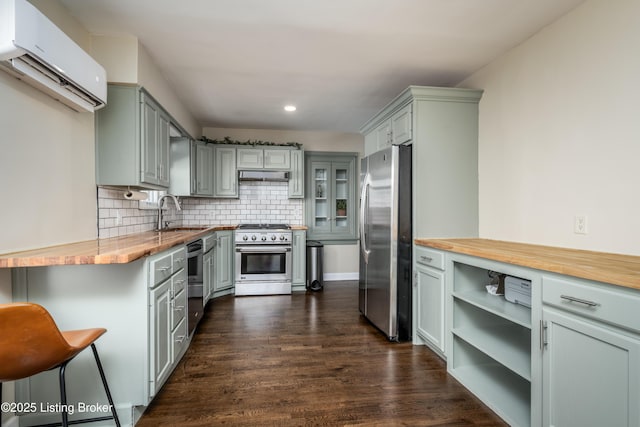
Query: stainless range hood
(278, 176)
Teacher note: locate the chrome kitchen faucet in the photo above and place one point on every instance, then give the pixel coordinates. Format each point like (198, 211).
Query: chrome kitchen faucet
(175, 200)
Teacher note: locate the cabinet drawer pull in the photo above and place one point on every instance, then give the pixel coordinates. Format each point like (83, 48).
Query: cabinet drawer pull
(179, 260)
(426, 258)
(579, 300)
(180, 339)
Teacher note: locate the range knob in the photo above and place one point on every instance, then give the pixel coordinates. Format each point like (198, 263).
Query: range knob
(264, 238)
(273, 237)
(245, 237)
(253, 237)
(282, 237)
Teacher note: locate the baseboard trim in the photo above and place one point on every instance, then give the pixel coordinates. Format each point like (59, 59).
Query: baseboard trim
(333, 277)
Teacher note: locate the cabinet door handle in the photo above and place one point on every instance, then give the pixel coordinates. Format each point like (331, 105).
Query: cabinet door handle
(180, 339)
(579, 300)
(543, 334)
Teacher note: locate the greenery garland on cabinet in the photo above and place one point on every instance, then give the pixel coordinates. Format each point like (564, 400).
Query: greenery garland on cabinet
(254, 143)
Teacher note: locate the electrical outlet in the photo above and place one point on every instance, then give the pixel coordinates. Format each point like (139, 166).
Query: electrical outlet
(580, 224)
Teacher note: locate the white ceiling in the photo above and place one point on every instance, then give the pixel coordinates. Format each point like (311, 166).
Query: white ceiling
(236, 63)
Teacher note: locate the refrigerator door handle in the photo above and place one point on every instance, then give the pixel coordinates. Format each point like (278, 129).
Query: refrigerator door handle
(363, 208)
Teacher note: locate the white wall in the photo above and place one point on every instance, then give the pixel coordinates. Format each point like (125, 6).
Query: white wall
(127, 61)
(340, 261)
(47, 170)
(150, 77)
(560, 133)
(46, 167)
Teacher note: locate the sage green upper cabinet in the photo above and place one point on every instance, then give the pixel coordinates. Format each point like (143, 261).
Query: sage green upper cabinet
(264, 158)
(331, 197)
(204, 170)
(277, 159)
(250, 158)
(296, 177)
(191, 168)
(225, 172)
(132, 140)
(441, 124)
(395, 130)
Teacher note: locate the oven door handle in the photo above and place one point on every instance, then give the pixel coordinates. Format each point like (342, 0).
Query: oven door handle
(263, 249)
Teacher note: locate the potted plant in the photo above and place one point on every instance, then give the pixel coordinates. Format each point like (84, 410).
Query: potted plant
(341, 207)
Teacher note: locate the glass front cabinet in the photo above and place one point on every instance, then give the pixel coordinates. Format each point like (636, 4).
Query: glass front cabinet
(331, 199)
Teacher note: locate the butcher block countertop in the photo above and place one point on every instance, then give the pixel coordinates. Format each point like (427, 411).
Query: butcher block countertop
(116, 250)
(616, 269)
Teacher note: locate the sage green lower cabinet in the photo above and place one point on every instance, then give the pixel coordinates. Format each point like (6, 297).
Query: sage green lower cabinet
(209, 244)
(142, 304)
(299, 260)
(225, 172)
(570, 359)
(591, 354)
(224, 264)
(429, 297)
(491, 345)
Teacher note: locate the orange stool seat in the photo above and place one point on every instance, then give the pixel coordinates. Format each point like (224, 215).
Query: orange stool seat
(30, 343)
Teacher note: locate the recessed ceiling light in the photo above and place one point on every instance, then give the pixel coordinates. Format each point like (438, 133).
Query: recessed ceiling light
(289, 108)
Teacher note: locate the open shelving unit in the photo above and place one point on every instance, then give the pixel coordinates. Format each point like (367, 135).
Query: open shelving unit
(491, 345)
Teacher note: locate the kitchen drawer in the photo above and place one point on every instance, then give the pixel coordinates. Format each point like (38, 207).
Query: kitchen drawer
(178, 308)
(208, 242)
(179, 282)
(160, 269)
(178, 340)
(429, 257)
(614, 305)
(179, 258)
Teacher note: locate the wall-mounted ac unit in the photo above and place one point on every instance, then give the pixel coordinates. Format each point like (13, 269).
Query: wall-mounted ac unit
(34, 50)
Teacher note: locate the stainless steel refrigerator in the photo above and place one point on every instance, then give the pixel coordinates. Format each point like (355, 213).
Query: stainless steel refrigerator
(385, 241)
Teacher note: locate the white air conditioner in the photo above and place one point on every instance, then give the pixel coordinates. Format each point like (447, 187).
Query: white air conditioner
(33, 49)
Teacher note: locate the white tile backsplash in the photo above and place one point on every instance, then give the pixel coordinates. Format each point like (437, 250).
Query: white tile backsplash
(261, 202)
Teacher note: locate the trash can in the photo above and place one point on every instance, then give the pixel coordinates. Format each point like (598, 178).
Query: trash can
(315, 258)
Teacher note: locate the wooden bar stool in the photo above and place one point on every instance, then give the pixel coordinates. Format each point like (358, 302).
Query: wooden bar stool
(30, 343)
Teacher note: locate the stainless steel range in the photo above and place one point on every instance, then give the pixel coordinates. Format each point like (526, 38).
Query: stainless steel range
(263, 259)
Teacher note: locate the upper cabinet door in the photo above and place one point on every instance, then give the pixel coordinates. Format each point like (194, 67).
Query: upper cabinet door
(163, 148)
(383, 135)
(296, 178)
(149, 128)
(250, 158)
(204, 170)
(226, 175)
(277, 159)
(401, 126)
(330, 204)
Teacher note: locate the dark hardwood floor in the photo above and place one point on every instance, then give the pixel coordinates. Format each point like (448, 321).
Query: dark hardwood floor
(308, 360)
